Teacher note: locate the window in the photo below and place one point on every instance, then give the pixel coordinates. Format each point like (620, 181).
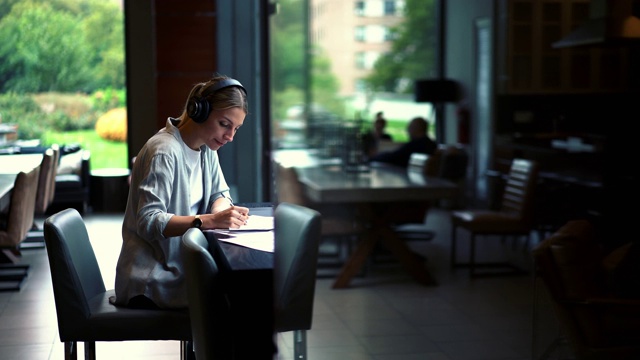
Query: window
(360, 35)
(359, 8)
(389, 7)
(361, 60)
(353, 70)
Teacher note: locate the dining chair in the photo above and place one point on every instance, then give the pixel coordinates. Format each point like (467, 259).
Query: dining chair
(340, 226)
(513, 218)
(209, 305)
(297, 237)
(14, 226)
(44, 197)
(411, 225)
(85, 313)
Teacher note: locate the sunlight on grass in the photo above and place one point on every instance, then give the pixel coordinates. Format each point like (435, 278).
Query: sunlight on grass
(104, 153)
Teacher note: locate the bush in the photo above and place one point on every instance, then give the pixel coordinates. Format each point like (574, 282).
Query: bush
(24, 112)
(113, 125)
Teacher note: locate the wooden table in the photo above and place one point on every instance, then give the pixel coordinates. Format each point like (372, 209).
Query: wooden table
(383, 184)
(10, 167)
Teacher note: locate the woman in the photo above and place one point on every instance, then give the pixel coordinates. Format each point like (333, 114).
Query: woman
(176, 184)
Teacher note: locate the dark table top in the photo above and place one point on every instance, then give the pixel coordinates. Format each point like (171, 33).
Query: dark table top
(243, 258)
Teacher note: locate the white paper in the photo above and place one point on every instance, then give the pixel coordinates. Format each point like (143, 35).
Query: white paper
(256, 222)
(259, 240)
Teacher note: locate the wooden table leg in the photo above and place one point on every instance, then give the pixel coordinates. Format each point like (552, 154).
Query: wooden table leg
(356, 260)
(402, 252)
(397, 247)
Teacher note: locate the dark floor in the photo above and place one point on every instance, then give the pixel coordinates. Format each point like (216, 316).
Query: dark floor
(384, 315)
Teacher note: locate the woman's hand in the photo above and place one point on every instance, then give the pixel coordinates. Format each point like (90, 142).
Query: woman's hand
(230, 218)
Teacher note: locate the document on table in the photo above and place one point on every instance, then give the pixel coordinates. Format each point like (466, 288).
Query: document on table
(256, 234)
(256, 222)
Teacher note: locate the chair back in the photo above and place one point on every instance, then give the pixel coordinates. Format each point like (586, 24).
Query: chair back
(21, 208)
(209, 307)
(55, 148)
(47, 171)
(288, 186)
(424, 164)
(453, 165)
(297, 237)
(517, 198)
(75, 272)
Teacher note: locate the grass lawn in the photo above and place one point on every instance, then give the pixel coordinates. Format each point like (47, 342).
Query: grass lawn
(104, 153)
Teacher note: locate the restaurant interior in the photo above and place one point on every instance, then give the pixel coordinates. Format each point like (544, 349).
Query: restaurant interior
(563, 101)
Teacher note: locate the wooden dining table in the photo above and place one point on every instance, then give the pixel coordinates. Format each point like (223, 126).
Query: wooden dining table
(381, 184)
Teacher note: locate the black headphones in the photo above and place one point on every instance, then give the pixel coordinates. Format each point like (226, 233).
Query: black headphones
(198, 108)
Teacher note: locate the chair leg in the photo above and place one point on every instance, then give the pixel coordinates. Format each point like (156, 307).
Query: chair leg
(453, 248)
(472, 255)
(299, 344)
(89, 350)
(70, 350)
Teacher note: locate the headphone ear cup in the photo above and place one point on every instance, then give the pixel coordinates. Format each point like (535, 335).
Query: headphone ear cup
(198, 109)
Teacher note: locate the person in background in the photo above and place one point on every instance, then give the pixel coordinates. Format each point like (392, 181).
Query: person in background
(377, 134)
(419, 142)
(176, 184)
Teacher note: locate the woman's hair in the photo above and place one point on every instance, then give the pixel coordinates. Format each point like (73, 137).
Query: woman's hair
(225, 98)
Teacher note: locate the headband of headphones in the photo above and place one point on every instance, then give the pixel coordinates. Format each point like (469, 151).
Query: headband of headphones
(198, 108)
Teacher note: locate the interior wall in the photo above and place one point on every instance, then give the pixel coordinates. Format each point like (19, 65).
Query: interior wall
(461, 17)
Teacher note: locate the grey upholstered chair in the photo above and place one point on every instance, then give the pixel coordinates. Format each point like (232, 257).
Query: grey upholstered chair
(82, 302)
(297, 236)
(209, 306)
(14, 226)
(44, 196)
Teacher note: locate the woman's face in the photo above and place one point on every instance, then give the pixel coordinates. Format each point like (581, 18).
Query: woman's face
(221, 127)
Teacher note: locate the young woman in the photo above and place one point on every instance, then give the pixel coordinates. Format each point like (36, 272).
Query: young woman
(176, 184)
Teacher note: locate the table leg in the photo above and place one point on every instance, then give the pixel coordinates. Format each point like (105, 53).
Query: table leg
(397, 247)
(407, 258)
(356, 260)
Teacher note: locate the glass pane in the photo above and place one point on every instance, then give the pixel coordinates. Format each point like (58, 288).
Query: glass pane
(336, 86)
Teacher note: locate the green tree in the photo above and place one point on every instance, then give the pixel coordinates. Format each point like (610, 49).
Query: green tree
(79, 40)
(42, 50)
(413, 50)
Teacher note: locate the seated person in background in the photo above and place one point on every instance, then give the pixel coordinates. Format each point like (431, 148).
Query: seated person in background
(371, 138)
(419, 142)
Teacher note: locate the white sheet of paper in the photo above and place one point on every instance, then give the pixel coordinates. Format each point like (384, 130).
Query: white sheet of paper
(256, 222)
(259, 240)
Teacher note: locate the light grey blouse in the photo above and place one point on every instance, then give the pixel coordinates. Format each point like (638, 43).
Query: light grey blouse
(150, 264)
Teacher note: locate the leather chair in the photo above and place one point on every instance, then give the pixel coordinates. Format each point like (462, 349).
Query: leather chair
(297, 237)
(513, 218)
(339, 226)
(72, 188)
(44, 196)
(84, 311)
(591, 297)
(209, 305)
(14, 227)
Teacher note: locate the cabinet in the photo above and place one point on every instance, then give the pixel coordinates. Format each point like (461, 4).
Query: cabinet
(532, 65)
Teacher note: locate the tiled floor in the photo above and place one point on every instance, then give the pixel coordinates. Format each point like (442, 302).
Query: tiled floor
(383, 316)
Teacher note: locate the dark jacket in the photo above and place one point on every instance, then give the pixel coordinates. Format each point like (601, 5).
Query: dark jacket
(401, 155)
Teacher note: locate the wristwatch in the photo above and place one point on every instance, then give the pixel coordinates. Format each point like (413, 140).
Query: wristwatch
(197, 222)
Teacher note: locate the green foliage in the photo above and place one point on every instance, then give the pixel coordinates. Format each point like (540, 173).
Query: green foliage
(61, 45)
(412, 55)
(109, 98)
(104, 153)
(42, 50)
(289, 64)
(35, 114)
